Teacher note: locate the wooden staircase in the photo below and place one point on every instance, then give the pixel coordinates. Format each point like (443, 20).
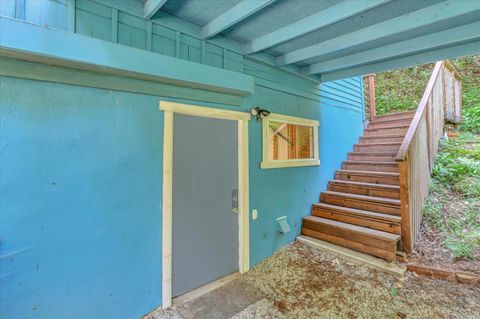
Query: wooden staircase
(374, 204)
(361, 208)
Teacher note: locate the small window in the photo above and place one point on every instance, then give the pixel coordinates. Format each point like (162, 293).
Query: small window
(289, 141)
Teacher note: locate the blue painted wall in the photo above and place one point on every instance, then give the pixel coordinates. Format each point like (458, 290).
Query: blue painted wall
(81, 185)
(80, 201)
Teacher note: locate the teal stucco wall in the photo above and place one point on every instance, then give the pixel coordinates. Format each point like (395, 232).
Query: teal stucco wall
(81, 194)
(81, 181)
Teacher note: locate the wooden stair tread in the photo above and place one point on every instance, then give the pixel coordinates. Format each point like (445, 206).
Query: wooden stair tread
(391, 120)
(365, 165)
(380, 143)
(374, 153)
(388, 124)
(359, 212)
(379, 134)
(370, 153)
(387, 128)
(391, 135)
(396, 114)
(380, 200)
(373, 173)
(369, 156)
(371, 162)
(364, 184)
(377, 234)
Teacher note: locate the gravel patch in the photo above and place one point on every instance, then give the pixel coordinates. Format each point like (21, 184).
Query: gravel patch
(304, 282)
(260, 310)
(299, 282)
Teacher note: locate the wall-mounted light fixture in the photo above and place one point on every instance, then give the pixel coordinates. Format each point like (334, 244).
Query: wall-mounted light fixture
(259, 113)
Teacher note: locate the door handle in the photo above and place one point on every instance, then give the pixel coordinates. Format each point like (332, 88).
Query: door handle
(235, 201)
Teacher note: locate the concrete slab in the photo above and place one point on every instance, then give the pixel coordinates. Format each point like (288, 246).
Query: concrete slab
(355, 256)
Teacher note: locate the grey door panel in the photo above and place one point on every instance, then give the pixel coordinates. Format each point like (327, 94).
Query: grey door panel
(205, 228)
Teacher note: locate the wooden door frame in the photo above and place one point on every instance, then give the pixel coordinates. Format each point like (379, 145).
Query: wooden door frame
(242, 119)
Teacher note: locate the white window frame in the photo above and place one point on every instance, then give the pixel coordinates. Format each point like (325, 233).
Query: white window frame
(273, 117)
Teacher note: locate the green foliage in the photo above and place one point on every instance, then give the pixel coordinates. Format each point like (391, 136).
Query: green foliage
(401, 90)
(457, 166)
(393, 292)
(471, 118)
(469, 186)
(469, 68)
(453, 206)
(463, 234)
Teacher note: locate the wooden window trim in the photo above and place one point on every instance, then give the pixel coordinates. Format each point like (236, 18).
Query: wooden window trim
(267, 163)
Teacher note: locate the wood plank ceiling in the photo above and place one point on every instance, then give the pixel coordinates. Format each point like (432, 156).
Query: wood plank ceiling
(337, 38)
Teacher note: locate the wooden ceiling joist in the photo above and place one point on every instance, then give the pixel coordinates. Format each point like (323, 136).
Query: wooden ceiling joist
(431, 41)
(232, 16)
(151, 7)
(326, 17)
(417, 19)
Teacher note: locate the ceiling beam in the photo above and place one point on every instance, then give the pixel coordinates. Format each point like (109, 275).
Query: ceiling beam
(151, 7)
(420, 18)
(232, 16)
(415, 59)
(321, 19)
(449, 37)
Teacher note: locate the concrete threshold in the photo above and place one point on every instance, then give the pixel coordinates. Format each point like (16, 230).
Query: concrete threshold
(355, 256)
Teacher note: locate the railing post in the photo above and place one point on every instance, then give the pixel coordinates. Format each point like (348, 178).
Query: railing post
(460, 100)
(406, 228)
(371, 94)
(444, 90)
(429, 135)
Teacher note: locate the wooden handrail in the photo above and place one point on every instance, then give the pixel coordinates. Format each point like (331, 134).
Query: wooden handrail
(422, 106)
(418, 115)
(441, 101)
(452, 68)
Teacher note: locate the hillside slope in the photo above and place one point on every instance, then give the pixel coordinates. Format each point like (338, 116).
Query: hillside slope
(402, 89)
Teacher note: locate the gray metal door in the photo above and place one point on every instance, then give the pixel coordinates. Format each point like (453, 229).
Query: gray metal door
(205, 228)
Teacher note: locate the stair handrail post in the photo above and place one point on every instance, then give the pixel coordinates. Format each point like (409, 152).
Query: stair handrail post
(406, 227)
(371, 94)
(456, 77)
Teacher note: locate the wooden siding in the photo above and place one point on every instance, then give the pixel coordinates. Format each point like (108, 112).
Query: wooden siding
(345, 93)
(98, 20)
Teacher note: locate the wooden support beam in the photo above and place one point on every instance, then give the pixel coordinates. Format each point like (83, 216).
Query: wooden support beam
(418, 19)
(431, 41)
(326, 17)
(232, 16)
(151, 7)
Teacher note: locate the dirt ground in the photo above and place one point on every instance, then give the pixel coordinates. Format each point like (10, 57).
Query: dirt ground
(303, 282)
(430, 251)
